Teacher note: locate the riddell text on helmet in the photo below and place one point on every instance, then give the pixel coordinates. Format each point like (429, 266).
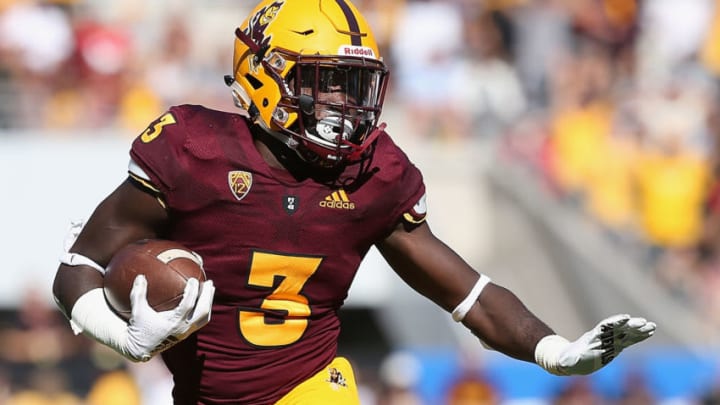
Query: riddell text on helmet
(357, 51)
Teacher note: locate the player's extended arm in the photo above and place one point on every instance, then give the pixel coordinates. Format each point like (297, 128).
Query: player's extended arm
(496, 315)
(127, 215)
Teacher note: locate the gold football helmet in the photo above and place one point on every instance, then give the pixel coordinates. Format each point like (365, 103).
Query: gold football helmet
(310, 73)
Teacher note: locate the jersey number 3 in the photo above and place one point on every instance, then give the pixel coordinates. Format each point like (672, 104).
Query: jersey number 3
(156, 127)
(285, 276)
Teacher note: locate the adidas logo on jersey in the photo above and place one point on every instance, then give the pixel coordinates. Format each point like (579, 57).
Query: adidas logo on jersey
(338, 200)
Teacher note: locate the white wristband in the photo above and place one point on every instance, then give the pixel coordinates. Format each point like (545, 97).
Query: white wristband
(92, 315)
(458, 314)
(547, 353)
(76, 259)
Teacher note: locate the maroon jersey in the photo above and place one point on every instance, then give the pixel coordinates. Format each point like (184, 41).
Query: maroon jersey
(282, 253)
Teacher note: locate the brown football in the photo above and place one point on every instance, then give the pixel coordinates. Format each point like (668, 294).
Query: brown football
(167, 266)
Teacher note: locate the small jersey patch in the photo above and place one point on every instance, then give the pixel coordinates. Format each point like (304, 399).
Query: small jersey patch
(290, 203)
(240, 183)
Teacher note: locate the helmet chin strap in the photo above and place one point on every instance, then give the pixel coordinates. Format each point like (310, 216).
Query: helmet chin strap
(286, 140)
(292, 144)
(358, 150)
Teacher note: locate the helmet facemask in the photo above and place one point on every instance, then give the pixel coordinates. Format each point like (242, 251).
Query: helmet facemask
(329, 105)
(337, 102)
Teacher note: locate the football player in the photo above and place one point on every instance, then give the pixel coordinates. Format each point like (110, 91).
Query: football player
(283, 202)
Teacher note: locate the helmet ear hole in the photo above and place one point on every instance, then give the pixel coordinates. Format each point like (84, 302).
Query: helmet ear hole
(265, 102)
(254, 82)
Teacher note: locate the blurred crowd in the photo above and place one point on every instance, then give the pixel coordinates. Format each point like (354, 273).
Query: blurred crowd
(613, 104)
(624, 125)
(70, 65)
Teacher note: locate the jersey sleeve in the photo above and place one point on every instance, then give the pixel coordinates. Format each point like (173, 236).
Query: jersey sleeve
(158, 150)
(414, 208)
(404, 185)
(418, 213)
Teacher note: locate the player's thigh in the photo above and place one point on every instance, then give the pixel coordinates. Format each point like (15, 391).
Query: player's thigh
(335, 384)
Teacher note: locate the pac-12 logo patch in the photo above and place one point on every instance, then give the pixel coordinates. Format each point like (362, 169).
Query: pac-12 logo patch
(240, 182)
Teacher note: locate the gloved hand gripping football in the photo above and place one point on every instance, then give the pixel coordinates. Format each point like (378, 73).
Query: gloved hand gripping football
(150, 332)
(594, 349)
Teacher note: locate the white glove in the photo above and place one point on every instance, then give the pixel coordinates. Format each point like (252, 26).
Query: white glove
(150, 332)
(594, 349)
